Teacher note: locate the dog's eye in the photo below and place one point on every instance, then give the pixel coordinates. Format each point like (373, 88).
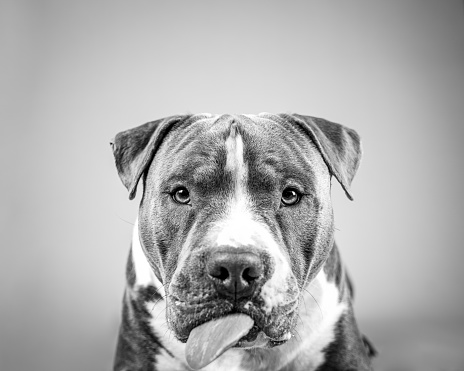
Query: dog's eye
(181, 195)
(290, 196)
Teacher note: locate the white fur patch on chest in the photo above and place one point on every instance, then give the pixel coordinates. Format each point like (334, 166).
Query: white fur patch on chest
(320, 310)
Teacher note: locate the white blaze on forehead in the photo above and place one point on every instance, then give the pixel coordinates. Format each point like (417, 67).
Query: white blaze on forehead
(235, 162)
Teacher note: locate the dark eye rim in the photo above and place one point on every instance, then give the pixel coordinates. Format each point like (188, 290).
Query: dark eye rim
(176, 200)
(297, 199)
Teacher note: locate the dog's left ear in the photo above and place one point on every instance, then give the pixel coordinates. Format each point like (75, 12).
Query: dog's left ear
(339, 146)
(134, 149)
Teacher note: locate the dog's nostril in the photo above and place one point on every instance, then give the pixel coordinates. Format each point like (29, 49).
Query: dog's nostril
(220, 273)
(250, 274)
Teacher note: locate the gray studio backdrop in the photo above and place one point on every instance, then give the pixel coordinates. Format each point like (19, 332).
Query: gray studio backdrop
(74, 73)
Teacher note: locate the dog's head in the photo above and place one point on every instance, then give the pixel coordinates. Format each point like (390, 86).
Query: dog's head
(236, 213)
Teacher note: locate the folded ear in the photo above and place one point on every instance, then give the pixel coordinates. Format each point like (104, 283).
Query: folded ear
(339, 146)
(134, 149)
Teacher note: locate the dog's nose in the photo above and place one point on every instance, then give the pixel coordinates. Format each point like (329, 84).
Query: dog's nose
(235, 272)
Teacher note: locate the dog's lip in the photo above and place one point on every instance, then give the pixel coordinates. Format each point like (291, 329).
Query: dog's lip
(258, 340)
(261, 340)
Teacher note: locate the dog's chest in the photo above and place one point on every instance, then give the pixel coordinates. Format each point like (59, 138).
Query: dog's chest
(320, 311)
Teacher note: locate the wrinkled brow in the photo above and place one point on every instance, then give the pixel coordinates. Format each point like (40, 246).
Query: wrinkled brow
(202, 173)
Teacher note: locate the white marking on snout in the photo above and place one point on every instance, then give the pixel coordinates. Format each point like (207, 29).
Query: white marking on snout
(274, 290)
(240, 229)
(144, 275)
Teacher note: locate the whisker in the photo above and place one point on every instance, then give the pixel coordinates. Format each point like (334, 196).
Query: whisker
(157, 292)
(154, 305)
(165, 323)
(292, 309)
(168, 330)
(320, 310)
(304, 303)
(132, 224)
(158, 300)
(297, 333)
(161, 311)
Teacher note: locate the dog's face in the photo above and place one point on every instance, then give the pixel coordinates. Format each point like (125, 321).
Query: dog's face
(236, 217)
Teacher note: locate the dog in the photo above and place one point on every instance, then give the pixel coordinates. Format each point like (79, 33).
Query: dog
(236, 222)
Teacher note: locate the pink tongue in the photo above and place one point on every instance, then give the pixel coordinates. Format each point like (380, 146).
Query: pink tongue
(209, 340)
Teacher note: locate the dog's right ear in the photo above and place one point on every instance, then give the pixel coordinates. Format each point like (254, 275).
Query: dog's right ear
(135, 148)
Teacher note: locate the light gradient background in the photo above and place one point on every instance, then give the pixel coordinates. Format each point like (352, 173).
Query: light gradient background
(74, 73)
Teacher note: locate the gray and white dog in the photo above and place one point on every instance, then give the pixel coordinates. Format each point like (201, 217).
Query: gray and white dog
(236, 217)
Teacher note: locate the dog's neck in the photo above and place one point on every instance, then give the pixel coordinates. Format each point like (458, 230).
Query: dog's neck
(323, 301)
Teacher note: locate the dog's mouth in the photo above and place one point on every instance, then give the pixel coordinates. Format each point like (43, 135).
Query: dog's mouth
(211, 339)
(267, 330)
(214, 328)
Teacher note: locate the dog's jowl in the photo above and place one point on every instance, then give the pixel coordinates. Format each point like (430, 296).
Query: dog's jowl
(233, 261)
